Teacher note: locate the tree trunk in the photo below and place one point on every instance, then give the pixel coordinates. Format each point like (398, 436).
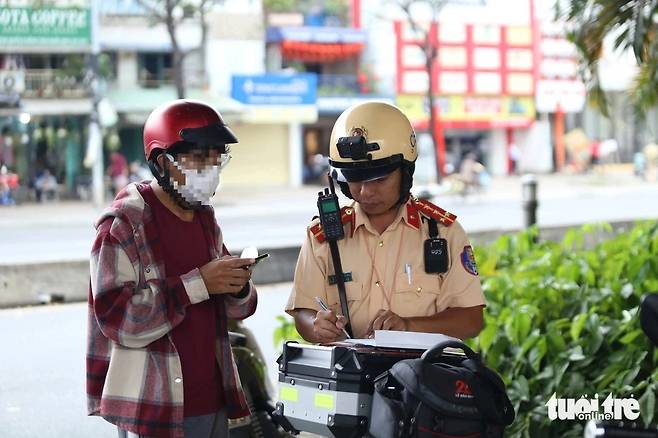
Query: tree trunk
(177, 55)
(178, 74)
(204, 45)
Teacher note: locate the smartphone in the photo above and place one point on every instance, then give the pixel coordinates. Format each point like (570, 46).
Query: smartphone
(259, 258)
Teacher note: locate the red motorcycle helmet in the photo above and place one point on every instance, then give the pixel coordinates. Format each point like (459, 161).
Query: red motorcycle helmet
(184, 122)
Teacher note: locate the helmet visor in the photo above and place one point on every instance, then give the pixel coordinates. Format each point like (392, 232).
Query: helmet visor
(363, 174)
(208, 135)
(359, 171)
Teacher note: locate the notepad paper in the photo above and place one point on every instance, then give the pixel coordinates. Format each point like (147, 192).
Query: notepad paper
(400, 339)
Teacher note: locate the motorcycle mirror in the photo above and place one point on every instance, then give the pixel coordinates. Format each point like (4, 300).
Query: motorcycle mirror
(649, 317)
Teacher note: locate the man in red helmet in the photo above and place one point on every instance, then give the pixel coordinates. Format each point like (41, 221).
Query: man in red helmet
(159, 362)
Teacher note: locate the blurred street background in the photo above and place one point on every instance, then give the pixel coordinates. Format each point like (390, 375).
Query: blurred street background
(494, 88)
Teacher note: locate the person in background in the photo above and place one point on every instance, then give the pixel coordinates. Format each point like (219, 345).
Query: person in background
(470, 170)
(139, 173)
(8, 185)
(6, 147)
(514, 156)
(650, 153)
(639, 165)
(118, 171)
(46, 186)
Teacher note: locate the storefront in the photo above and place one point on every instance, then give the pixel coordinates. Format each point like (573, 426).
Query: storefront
(44, 103)
(270, 128)
(333, 54)
(483, 88)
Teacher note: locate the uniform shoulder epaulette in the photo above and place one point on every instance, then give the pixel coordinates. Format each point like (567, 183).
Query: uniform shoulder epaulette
(437, 213)
(347, 216)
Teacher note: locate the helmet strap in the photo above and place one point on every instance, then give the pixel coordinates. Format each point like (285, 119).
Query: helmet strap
(345, 188)
(406, 182)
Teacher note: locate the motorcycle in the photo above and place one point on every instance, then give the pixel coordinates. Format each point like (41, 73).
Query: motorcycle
(257, 388)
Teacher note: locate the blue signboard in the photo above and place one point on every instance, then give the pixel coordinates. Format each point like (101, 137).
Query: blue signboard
(275, 89)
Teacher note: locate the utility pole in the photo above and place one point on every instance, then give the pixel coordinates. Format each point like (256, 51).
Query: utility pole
(95, 140)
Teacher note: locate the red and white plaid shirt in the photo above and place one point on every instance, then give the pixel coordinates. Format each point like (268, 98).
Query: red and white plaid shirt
(134, 375)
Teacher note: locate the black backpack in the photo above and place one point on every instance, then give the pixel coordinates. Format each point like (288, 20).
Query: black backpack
(440, 396)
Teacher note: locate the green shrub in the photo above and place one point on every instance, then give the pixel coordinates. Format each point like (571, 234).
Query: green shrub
(562, 319)
(286, 331)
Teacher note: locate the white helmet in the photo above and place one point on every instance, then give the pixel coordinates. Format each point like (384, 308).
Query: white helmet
(370, 140)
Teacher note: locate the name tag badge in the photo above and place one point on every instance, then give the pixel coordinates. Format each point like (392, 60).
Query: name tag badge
(347, 277)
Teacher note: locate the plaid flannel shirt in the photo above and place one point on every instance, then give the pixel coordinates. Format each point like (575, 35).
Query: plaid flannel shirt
(134, 376)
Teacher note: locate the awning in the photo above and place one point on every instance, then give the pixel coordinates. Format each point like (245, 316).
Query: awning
(317, 44)
(56, 107)
(313, 34)
(318, 52)
(141, 39)
(137, 103)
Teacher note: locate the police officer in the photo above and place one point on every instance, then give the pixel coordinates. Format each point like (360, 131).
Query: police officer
(392, 281)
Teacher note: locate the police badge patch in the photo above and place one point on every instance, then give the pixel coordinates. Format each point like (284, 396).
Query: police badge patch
(468, 260)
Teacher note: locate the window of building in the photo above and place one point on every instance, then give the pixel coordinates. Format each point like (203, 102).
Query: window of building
(155, 69)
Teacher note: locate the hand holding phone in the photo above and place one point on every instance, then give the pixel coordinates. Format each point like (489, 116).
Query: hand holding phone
(251, 252)
(259, 258)
(225, 274)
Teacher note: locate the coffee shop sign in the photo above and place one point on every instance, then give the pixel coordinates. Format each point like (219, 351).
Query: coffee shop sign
(54, 18)
(44, 27)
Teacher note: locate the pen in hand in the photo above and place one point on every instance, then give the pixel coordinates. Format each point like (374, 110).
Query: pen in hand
(323, 306)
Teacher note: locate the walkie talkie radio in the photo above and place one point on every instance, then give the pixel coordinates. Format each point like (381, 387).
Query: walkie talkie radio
(332, 227)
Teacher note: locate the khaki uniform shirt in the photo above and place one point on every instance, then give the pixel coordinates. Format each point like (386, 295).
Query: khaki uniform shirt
(377, 266)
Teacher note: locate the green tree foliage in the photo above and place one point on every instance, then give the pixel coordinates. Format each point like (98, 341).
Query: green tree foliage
(632, 24)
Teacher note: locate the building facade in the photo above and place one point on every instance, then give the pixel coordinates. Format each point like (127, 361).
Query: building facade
(45, 97)
(504, 84)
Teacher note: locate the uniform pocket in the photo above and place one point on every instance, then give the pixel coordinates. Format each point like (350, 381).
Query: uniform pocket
(418, 298)
(353, 291)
